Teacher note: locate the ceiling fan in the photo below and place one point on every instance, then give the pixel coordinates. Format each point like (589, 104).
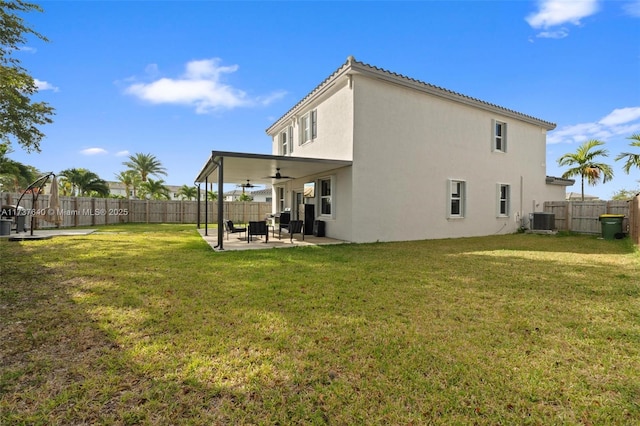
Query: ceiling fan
(278, 175)
(246, 185)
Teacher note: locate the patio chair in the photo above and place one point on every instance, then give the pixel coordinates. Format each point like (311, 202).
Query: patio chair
(285, 218)
(258, 228)
(295, 227)
(230, 228)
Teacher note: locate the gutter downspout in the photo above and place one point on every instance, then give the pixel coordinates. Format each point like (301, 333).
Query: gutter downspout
(521, 201)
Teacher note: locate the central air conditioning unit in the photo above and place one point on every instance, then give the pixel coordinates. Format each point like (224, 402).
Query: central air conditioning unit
(542, 221)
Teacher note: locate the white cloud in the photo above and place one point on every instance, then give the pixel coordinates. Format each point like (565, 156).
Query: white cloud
(122, 153)
(632, 8)
(43, 85)
(93, 151)
(561, 33)
(621, 116)
(559, 12)
(200, 86)
(619, 122)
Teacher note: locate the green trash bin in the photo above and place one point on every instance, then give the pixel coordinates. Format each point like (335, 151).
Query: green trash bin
(611, 226)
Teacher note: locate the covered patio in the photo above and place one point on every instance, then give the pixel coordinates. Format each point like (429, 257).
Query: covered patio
(237, 243)
(239, 168)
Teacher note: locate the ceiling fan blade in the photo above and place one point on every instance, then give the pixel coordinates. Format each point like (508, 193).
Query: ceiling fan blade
(278, 175)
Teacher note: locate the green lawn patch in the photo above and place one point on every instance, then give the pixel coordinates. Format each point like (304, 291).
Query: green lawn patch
(141, 324)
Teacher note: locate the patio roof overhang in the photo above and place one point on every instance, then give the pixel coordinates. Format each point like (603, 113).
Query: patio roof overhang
(237, 167)
(240, 167)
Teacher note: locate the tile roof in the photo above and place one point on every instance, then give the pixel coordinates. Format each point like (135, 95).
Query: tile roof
(363, 68)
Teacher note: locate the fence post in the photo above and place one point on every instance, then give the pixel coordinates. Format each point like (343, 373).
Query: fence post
(75, 210)
(634, 219)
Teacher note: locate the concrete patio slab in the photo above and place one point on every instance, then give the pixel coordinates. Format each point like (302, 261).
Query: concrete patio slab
(239, 241)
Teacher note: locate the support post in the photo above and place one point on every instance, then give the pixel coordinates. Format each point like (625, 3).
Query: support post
(220, 204)
(198, 208)
(206, 207)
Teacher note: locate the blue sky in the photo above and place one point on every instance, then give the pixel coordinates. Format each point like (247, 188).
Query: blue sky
(179, 79)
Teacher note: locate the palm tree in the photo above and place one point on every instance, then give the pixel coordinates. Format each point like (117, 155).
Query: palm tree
(187, 192)
(145, 165)
(155, 189)
(90, 184)
(71, 177)
(585, 165)
(633, 160)
(212, 195)
(131, 180)
(65, 188)
(245, 197)
(84, 182)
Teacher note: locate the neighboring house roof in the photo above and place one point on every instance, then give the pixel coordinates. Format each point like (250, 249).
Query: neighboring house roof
(118, 188)
(578, 196)
(351, 67)
(236, 193)
(266, 191)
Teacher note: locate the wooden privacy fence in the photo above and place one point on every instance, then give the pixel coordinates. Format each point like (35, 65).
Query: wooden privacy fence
(634, 219)
(79, 211)
(583, 216)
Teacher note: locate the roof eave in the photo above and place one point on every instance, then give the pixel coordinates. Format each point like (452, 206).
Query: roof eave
(351, 66)
(552, 180)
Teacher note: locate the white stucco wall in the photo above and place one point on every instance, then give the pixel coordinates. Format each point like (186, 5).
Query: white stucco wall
(405, 146)
(334, 141)
(337, 225)
(408, 144)
(334, 123)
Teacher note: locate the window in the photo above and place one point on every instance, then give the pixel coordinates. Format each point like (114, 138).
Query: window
(325, 197)
(456, 198)
(280, 199)
(499, 136)
(284, 143)
(309, 126)
(503, 199)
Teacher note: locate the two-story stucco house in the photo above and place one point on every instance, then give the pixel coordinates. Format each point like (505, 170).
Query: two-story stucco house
(379, 156)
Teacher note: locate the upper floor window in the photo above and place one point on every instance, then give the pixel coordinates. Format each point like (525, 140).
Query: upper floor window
(457, 195)
(499, 136)
(309, 126)
(286, 142)
(504, 195)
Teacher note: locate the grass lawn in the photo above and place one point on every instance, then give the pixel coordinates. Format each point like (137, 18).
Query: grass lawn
(147, 325)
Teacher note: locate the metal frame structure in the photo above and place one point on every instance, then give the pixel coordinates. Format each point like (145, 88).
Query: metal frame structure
(225, 167)
(43, 181)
